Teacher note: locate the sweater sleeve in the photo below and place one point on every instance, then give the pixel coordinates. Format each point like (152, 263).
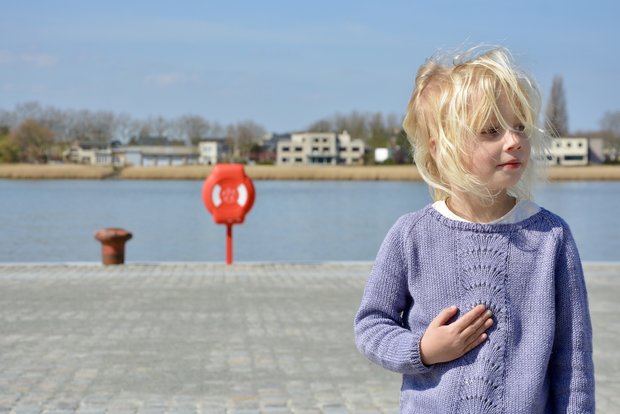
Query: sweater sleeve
(571, 365)
(380, 331)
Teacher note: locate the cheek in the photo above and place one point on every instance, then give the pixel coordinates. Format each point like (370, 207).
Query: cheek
(482, 158)
(468, 161)
(471, 158)
(527, 147)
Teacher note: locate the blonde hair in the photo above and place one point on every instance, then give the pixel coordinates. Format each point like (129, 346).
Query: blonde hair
(450, 105)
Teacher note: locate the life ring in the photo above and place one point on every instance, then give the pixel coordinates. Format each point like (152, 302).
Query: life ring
(228, 193)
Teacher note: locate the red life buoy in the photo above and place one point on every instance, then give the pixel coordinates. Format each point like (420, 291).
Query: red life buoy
(228, 193)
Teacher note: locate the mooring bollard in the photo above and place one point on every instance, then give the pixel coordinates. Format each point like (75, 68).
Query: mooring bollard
(113, 245)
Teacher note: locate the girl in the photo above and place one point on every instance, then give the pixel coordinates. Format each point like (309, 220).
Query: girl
(479, 299)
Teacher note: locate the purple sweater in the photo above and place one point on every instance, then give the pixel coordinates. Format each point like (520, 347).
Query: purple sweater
(538, 355)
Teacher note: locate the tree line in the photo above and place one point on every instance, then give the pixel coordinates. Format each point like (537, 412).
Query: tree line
(35, 133)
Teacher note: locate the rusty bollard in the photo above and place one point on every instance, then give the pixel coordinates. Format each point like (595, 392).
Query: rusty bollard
(113, 245)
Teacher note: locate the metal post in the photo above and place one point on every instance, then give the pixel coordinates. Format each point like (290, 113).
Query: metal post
(229, 244)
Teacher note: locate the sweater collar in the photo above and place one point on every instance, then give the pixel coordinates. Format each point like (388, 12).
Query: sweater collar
(482, 227)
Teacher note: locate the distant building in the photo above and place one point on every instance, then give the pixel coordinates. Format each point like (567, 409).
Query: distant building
(569, 151)
(382, 154)
(320, 148)
(596, 150)
(155, 155)
(208, 152)
(93, 154)
(266, 152)
(350, 151)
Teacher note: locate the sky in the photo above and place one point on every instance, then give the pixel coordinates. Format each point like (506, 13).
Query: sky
(287, 64)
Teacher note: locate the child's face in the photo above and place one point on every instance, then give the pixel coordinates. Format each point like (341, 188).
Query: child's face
(499, 156)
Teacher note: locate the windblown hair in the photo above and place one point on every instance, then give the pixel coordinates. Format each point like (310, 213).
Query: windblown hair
(451, 104)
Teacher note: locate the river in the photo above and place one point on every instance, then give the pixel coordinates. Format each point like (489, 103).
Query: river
(291, 221)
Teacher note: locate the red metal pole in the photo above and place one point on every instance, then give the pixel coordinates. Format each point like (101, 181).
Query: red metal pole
(229, 244)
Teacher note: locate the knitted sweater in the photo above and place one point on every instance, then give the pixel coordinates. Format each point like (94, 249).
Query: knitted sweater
(538, 355)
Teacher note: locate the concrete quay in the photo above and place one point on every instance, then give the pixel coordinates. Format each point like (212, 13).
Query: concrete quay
(207, 338)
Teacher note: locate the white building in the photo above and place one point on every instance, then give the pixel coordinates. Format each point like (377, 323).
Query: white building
(350, 151)
(320, 148)
(382, 154)
(208, 152)
(93, 155)
(569, 151)
(155, 155)
(131, 155)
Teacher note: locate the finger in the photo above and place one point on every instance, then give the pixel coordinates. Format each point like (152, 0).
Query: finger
(444, 316)
(479, 340)
(478, 326)
(469, 318)
(481, 330)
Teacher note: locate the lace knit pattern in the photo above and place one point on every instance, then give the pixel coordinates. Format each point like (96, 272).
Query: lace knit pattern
(537, 358)
(482, 279)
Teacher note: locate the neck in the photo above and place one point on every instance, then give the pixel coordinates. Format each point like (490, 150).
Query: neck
(477, 210)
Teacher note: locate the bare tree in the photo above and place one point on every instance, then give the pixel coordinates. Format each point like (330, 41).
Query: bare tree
(143, 130)
(27, 110)
(6, 118)
(125, 127)
(217, 130)
(33, 140)
(242, 136)
(230, 138)
(95, 128)
(555, 114)
(160, 126)
(378, 132)
(56, 120)
(322, 125)
(193, 128)
(610, 124)
(393, 123)
(355, 124)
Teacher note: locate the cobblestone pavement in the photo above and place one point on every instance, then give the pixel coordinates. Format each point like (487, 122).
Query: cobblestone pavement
(206, 338)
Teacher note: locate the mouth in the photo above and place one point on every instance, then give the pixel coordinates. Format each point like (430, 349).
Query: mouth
(510, 164)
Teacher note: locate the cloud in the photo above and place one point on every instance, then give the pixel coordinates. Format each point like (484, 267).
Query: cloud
(167, 79)
(40, 60)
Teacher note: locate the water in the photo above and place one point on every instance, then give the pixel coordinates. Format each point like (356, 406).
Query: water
(54, 221)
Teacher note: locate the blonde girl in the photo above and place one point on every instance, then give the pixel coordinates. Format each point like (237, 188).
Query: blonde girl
(479, 298)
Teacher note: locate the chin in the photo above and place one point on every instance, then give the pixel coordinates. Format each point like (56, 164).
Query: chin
(504, 185)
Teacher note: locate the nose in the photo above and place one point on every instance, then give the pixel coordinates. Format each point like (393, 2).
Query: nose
(513, 140)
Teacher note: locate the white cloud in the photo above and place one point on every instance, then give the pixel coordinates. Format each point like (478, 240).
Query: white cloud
(29, 59)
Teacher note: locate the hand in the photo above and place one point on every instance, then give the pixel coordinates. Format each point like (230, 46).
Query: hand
(443, 342)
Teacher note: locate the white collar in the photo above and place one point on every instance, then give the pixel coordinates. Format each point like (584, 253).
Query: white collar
(522, 210)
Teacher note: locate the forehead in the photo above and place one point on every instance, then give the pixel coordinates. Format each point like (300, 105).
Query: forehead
(496, 106)
(505, 108)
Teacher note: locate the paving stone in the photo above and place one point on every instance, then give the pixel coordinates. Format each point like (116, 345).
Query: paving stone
(214, 339)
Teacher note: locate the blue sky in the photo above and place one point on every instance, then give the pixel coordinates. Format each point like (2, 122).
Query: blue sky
(286, 64)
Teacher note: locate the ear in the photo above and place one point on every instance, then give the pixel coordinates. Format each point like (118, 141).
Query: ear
(432, 145)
